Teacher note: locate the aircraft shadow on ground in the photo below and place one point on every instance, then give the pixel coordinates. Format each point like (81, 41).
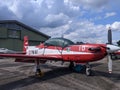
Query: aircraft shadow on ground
(32, 79)
(54, 73)
(113, 76)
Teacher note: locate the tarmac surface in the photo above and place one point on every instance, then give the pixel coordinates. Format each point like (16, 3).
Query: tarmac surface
(20, 76)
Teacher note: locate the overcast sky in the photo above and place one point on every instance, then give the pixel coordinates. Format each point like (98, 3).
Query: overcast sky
(77, 20)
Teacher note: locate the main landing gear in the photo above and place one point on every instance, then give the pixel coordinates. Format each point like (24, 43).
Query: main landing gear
(80, 68)
(38, 72)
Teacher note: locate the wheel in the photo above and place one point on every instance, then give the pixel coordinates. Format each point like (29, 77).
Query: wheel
(88, 71)
(38, 73)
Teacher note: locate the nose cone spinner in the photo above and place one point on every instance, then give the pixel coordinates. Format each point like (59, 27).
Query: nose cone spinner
(112, 48)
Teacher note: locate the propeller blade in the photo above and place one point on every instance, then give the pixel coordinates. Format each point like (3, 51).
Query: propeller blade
(109, 63)
(109, 36)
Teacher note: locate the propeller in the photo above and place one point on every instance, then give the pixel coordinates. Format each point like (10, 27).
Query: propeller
(109, 63)
(110, 49)
(109, 36)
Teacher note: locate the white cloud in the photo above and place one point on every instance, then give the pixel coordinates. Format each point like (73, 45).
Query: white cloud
(110, 14)
(79, 31)
(114, 26)
(14, 8)
(50, 18)
(54, 17)
(55, 32)
(91, 4)
(88, 32)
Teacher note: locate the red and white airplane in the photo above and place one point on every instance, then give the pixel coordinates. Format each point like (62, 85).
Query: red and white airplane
(61, 49)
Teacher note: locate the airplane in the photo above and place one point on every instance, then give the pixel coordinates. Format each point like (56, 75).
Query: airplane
(5, 50)
(61, 49)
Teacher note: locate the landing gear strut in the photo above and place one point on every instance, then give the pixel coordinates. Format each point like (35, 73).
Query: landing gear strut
(38, 72)
(88, 69)
(71, 66)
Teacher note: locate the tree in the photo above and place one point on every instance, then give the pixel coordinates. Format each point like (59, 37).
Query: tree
(118, 43)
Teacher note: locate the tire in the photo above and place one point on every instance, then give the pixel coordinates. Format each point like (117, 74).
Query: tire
(88, 71)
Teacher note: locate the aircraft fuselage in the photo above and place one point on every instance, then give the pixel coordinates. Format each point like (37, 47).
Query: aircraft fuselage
(77, 53)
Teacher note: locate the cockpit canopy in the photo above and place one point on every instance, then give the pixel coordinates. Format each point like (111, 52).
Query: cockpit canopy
(62, 42)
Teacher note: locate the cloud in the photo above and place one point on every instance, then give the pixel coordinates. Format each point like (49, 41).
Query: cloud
(56, 20)
(114, 26)
(87, 32)
(110, 14)
(73, 18)
(6, 14)
(91, 4)
(84, 31)
(42, 13)
(39, 11)
(56, 31)
(79, 31)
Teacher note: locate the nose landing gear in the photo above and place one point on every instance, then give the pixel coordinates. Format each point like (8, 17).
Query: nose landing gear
(88, 69)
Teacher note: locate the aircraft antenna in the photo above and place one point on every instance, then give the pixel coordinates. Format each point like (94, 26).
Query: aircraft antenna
(62, 35)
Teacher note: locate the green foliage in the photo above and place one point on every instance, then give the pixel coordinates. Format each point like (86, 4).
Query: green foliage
(118, 43)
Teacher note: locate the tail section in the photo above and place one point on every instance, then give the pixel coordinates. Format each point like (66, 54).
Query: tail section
(25, 44)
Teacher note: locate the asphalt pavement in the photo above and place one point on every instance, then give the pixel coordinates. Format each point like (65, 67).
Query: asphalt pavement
(20, 76)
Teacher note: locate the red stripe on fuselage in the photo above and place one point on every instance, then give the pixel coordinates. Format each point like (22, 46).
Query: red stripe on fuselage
(85, 56)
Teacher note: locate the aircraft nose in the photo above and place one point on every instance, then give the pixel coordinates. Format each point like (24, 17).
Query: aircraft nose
(112, 48)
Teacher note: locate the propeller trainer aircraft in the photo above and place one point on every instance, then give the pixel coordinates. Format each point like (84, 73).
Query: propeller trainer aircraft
(61, 49)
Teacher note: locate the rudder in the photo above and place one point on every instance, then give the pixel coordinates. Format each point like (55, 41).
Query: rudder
(25, 44)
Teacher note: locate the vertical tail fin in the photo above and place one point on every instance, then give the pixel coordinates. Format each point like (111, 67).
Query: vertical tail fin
(25, 44)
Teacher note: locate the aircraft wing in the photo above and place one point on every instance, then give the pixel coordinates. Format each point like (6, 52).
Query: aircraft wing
(32, 57)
